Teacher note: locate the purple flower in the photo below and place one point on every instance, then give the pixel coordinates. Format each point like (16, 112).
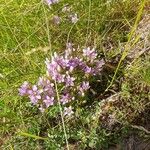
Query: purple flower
(60, 60)
(65, 98)
(51, 66)
(90, 54)
(46, 86)
(69, 80)
(72, 75)
(45, 83)
(74, 18)
(68, 111)
(85, 68)
(98, 67)
(84, 87)
(99, 64)
(88, 70)
(24, 88)
(69, 46)
(60, 78)
(73, 63)
(53, 69)
(34, 94)
(49, 101)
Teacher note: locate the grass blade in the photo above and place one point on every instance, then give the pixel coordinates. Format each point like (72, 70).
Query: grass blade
(32, 136)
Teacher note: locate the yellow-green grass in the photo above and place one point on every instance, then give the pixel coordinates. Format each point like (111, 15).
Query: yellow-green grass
(27, 37)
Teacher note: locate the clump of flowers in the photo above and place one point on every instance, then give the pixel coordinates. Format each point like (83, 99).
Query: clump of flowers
(71, 71)
(73, 17)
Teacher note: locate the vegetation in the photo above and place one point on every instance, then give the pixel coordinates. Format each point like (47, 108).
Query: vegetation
(115, 110)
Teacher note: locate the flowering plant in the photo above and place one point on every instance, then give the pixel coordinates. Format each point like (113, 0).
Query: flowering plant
(67, 75)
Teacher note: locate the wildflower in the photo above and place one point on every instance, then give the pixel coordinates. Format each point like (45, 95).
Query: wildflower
(85, 67)
(65, 98)
(99, 64)
(49, 101)
(59, 78)
(34, 94)
(98, 67)
(71, 74)
(68, 111)
(60, 60)
(24, 88)
(69, 46)
(74, 18)
(84, 87)
(69, 80)
(46, 86)
(89, 54)
(88, 70)
(74, 62)
(53, 69)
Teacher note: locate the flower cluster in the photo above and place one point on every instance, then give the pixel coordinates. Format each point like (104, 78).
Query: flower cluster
(66, 9)
(71, 72)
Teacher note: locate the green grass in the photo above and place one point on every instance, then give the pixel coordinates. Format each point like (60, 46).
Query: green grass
(26, 30)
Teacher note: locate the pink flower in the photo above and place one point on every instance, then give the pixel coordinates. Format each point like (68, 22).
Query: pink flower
(65, 99)
(84, 87)
(69, 80)
(49, 101)
(71, 73)
(68, 111)
(34, 94)
(90, 54)
(23, 90)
